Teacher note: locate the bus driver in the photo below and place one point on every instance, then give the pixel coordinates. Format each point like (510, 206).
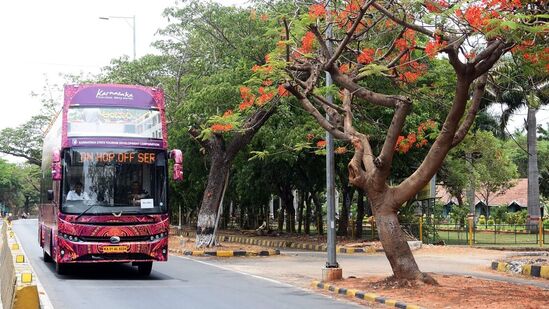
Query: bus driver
(77, 194)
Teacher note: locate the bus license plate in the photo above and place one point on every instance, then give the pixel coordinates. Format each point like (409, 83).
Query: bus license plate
(115, 249)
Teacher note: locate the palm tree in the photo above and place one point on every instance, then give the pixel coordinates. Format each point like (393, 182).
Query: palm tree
(516, 85)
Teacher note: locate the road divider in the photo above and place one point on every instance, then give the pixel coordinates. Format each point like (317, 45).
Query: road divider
(228, 253)
(370, 297)
(17, 279)
(540, 271)
(282, 243)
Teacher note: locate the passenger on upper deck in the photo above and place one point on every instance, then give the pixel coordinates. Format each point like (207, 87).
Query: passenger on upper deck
(77, 194)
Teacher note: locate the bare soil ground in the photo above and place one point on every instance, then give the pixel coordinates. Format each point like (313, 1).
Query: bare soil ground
(455, 292)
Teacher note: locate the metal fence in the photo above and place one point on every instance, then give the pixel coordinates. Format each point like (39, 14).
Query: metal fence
(495, 234)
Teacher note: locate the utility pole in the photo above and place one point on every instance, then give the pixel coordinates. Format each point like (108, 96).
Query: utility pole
(332, 271)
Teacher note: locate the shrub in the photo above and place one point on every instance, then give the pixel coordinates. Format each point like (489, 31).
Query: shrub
(482, 219)
(500, 214)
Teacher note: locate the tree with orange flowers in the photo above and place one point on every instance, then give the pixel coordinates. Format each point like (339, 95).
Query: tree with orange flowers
(394, 41)
(218, 48)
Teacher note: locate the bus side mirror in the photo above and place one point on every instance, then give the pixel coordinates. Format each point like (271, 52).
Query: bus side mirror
(56, 166)
(50, 195)
(177, 156)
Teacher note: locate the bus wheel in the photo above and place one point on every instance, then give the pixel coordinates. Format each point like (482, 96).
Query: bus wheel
(144, 268)
(46, 256)
(61, 268)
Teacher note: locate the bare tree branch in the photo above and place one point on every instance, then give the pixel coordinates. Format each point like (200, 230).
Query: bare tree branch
(309, 107)
(349, 33)
(433, 161)
(346, 82)
(472, 112)
(383, 161)
(402, 22)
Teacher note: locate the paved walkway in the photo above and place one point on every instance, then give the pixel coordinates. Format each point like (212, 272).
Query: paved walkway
(300, 267)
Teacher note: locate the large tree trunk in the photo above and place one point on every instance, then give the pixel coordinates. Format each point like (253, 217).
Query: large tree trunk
(285, 192)
(280, 216)
(534, 213)
(394, 241)
(207, 216)
(318, 214)
(360, 212)
(308, 211)
(221, 155)
(343, 223)
(300, 208)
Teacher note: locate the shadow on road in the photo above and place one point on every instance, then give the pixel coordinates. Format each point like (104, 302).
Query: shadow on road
(105, 271)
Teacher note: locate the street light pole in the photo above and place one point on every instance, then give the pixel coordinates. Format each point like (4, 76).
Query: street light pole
(132, 25)
(332, 270)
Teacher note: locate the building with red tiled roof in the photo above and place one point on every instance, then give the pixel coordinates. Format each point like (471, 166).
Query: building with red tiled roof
(515, 198)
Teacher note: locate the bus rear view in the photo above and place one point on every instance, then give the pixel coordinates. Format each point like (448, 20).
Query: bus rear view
(105, 178)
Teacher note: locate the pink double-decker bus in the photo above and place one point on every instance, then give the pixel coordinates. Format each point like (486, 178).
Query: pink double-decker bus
(104, 192)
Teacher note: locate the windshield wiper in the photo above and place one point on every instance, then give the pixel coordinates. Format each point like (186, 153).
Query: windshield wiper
(86, 210)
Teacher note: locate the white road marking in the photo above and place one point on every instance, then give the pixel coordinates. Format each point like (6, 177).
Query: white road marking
(266, 279)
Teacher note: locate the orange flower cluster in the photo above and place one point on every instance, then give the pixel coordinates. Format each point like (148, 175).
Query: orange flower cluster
(503, 5)
(263, 69)
(248, 98)
(344, 68)
(228, 113)
(346, 17)
(426, 125)
(433, 47)
(321, 144)
(366, 56)
(264, 96)
(474, 16)
(436, 6)
(310, 136)
(527, 50)
(416, 70)
(307, 42)
(340, 150)
(407, 41)
(389, 24)
(317, 11)
(282, 91)
(221, 127)
(405, 143)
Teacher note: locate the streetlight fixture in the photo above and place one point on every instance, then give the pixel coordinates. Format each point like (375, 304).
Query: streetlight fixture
(132, 18)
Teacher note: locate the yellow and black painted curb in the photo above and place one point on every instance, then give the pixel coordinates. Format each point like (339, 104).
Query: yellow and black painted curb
(231, 253)
(540, 271)
(371, 297)
(291, 244)
(283, 244)
(19, 288)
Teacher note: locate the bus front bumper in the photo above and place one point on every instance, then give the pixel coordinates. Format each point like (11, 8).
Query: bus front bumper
(92, 252)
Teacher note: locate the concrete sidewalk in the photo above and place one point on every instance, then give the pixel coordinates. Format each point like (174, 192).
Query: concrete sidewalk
(300, 267)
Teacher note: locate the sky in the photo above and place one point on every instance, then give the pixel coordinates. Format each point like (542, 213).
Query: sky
(41, 40)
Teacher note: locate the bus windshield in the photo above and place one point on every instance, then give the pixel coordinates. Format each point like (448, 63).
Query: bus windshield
(114, 181)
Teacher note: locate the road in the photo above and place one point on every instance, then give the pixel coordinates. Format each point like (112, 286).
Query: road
(178, 283)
